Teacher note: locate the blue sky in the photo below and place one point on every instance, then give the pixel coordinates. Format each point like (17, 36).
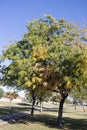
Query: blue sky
(15, 14)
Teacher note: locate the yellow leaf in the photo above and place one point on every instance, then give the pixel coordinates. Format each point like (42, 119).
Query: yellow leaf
(34, 87)
(33, 80)
(28, 84)
(69, 84)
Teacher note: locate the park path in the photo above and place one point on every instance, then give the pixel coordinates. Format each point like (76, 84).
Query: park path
(11, 118)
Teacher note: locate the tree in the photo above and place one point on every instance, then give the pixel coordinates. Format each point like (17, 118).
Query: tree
(1, 93)
(55, 98)
(65, 63)
(79, 97)
(11, 96)
(52, 55)
(40, 96)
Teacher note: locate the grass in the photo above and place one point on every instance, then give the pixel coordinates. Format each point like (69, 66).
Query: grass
(15, 108)
(72, 119)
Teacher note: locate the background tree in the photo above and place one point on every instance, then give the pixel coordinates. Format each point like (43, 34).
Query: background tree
(79, 97)
(55, 98)
(11, 96)
(40, 96)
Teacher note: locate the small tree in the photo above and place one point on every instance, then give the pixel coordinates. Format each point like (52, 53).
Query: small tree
(79, 97)
(55, 98)
(11, 96)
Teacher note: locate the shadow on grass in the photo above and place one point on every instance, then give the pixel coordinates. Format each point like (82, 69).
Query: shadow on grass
(21, 107)
(9, 110)
(37, 108)
(51, 121)
(44, 119)
(75, 124)
(6, 110)
(24, 104)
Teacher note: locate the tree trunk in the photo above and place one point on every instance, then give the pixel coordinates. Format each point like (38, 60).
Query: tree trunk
(83, 108)
(59, 120)
(41, 106)
(41, 103)
(10, 100)
(33, 103)
(75, 106)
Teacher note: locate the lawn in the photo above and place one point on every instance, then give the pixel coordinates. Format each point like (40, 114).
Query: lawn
(72, 119)
(15, 108)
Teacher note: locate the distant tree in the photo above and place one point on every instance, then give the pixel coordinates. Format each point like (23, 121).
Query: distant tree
(1, 93)
(55, 98)
(79, 97)
(68, 101)
(43, 96)
(37, 96)
(11, 96)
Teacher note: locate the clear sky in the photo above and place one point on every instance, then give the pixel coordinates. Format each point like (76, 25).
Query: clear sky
(15, 14)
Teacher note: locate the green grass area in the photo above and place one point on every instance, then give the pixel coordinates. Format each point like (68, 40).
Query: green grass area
(72, 119)
(15, 108)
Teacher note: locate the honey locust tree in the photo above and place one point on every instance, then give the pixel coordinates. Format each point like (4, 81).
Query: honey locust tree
(64, 67)
(21, 71)
(55, 57)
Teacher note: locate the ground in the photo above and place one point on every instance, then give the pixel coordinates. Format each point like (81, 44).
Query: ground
(72, 119)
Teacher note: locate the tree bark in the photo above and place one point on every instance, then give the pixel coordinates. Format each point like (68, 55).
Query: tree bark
(10, 105)
(75, 106)
(60, 112)
(41, 103)
(33, 103)
(83, 108)
(41, 106)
